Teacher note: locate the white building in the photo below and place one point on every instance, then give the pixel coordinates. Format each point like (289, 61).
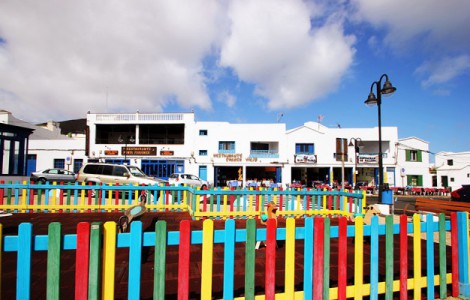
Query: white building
(452, 169)
(164, 143)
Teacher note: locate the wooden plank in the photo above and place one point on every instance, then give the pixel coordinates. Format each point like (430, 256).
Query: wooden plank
(25, 248)
(160, 260)
(53, 261)
(250, 259)
(109, 260)
(183, 260)
(135, 260)
(94, 272)
(270, 267)
(81, 261)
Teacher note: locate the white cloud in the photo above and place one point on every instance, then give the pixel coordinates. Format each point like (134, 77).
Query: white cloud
(60, 59)
(272, 44)
(419, 25)
(227, 98)
(443, 70)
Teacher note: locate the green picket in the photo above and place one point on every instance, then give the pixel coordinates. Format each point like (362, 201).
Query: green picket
(250, 259)
(389, 257)
(160, 260)
(53, 260)
(326, 259)
(95, 261)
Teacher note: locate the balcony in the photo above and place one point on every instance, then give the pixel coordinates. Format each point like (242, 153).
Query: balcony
(264, 153)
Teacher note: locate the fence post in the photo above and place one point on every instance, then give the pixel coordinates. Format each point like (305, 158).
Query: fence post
(464, 287)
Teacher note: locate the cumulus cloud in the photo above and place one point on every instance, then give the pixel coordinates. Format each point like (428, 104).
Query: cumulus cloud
(420, 25)
(60, 59)
(443, 70)
(272, 44)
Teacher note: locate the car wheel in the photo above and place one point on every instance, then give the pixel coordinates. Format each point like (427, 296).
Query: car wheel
(42, 180)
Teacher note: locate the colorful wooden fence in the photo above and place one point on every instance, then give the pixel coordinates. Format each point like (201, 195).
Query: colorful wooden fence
(95, 247)
(215, 203)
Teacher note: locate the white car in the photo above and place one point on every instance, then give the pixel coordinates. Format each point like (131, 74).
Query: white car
(188, 179)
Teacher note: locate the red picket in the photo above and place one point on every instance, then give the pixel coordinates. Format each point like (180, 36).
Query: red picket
(342, 257)
(183, 260)
(270, 269)
(82, 260)
(403, 257)
(318, 252)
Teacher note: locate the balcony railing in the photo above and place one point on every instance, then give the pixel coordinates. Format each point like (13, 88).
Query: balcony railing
(264, 153)
(226, 151)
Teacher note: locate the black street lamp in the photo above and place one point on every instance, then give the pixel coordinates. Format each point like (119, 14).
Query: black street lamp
(357, 144)
(386, 89)
(129, 139)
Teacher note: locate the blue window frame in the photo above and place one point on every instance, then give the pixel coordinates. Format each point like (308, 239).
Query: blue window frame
(59, 163)
(77, 164)
(202, 152)
(203, 132)
(227, 147)
(304, 148)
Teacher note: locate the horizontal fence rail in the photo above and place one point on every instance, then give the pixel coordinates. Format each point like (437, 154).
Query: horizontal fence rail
(95, 247)
(214, 203)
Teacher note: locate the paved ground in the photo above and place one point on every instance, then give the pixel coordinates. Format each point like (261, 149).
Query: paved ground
(69, 222)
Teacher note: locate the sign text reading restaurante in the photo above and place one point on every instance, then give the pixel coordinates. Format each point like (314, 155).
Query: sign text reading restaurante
(139, 150)
(229, 157)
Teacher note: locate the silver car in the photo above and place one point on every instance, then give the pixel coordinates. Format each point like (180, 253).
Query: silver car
(187, 179)
(53, 175)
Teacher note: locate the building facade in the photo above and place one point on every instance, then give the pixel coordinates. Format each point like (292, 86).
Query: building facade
(451, 169)
(221, 152)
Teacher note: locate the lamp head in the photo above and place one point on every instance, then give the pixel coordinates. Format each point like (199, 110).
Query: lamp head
(388, 88)
(371, 100)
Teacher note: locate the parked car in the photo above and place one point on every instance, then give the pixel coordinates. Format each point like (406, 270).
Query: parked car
(188, 179)
(113, 173)
(53, 175)
(462, 194)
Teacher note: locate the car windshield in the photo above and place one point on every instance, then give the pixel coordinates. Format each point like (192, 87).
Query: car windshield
(136, 171)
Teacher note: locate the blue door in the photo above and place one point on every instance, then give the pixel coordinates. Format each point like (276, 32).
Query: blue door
(31, 164)
(203, 172)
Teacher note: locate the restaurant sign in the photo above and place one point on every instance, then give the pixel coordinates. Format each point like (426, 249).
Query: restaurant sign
(305, 159)
(367, 159)
(147, 151)
(110, 152)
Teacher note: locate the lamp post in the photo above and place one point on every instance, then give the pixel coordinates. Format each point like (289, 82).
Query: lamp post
(386, 89)
(357, 144)
(127, 140)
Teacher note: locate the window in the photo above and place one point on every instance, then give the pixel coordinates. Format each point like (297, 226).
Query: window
(304, 149)
(227, 147)
(414, 155)
(450, 162)
(452, 179)
(59, 163)
(202, 152)
(414, 180)
(341, 149)
(77, 164)
(203, 132)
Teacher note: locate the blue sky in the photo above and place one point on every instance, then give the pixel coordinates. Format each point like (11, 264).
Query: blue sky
(242, 62)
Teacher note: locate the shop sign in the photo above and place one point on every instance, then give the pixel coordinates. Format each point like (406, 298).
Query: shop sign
(110, 152)
(147, 151)
(167, 152)
(305, 159)
(368, 159)
(229, 157)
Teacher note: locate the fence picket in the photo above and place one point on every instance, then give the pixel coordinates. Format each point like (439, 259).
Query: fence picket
(160, 260)
(94, 272)
(82, 261)
(25, 245)
(53, 261)
(207, 259)
(183, 260)
(109, 259)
